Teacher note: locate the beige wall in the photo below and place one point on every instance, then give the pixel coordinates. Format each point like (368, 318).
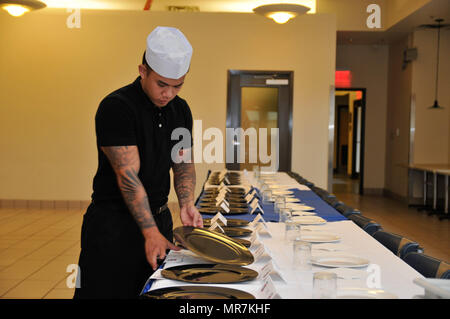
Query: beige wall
(432, 135)
(398, 119)
(397, 10)
(431, 143)
(52, 79)
(369, 70)
(352, 14)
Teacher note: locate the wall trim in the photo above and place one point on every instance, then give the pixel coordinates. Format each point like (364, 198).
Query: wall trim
(391, 194)
(44, 204)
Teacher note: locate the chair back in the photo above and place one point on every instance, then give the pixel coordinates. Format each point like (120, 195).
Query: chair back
(368, 225)
(399, 245)
(428, 266)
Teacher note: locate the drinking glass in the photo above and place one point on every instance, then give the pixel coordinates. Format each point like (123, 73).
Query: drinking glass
(285, 214)
(292, 230)
(280, 202)
(302, 255)
(267, 197)
(324, 285)
(256, 171)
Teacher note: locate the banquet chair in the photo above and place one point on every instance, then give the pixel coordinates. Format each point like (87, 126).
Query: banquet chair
(368, 225)
(346, 210)
(428, 266)
(320, 191)
(334, 202)
(399, 245)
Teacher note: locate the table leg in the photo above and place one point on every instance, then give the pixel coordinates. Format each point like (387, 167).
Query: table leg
(411, 190)
(424, 207)
(446, 200)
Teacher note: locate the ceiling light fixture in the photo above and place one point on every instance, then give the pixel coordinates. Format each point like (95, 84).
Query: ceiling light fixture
(17, 8)
(437, 26)
(281, 12)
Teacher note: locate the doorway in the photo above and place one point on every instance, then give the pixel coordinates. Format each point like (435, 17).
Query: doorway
(259, 101)
(348, 159)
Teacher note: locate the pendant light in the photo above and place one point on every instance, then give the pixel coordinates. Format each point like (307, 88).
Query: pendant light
(281, 12)
(437, 26)
(18, 8)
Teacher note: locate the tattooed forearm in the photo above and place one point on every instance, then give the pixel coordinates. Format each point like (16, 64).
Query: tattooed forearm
(184, 182)
(126, 164)
(135, 197)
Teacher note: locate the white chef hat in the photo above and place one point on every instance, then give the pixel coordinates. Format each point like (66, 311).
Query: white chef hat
(168, 52)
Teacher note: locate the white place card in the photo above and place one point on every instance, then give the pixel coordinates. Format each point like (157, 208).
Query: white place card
(214, 226)
(220, 198)
(249, 197)
(261, 254)
(253, 209)
(256, 220)
(157, 274)
(268, 290)
(223, 192)
(260, 209)
(219, 202)
(225, 207)
(224, 189)
(220, 217)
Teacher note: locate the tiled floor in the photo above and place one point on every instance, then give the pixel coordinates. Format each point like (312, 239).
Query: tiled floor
(38, 252)
(38, 246)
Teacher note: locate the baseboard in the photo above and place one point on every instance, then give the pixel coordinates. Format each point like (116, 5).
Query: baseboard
(373, 191)
(391, 194)
(44, 204)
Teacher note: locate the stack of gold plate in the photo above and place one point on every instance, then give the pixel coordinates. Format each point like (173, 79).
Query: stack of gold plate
(229, 178)
(229, 257)
(213, 246)
(235, 197)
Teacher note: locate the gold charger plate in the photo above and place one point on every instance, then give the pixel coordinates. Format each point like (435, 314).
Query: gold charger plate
(213, 246)
(209, 273)
(232, 191)
(232, 205)
(231, 222)
(197, 292)
(244, 242)
(236, 232)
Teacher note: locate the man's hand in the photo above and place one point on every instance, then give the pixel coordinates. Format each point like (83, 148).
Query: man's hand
(156, 245)
(190, 216)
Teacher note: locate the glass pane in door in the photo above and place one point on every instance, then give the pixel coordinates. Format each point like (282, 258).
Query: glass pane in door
(259, 109)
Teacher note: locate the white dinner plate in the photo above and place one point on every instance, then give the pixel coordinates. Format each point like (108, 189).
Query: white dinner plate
(364, 293)
(339, 261)
(309, 220)
(280, 187)
(304, 208)
(292, 200)
(319, 237)
(294, 206)
(282, 192)
(302, 213)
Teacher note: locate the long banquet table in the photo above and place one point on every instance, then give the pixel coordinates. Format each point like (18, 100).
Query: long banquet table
(385, 271)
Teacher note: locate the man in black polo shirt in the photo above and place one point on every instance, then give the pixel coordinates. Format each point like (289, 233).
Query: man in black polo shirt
(128, 226)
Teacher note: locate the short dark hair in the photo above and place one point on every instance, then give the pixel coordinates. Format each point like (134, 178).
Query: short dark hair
(144, 62)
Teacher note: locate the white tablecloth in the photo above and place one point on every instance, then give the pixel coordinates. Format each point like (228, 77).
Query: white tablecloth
(385, 271)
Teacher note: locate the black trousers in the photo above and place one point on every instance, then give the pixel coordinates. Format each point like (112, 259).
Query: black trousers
(112, 262)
